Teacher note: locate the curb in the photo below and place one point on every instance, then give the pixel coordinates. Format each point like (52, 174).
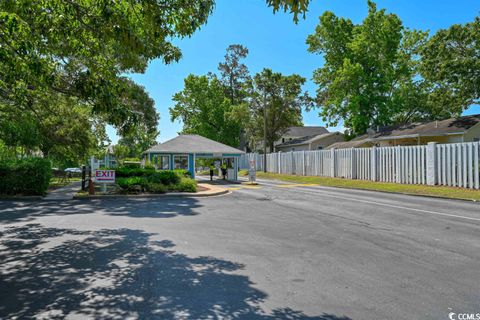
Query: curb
(149, 196)
(22, 198)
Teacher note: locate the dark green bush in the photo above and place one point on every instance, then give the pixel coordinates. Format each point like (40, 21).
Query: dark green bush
(156, 187)
(183, 173)
(29, 176)
(132, 184)
(185, 185)
(125, 172)
(165, 177)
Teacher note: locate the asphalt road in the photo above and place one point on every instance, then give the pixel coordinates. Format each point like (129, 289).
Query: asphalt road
(271, 252)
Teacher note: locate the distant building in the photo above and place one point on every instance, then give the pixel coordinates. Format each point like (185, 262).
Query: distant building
(454, 130)
(295, 133)
(315, 142)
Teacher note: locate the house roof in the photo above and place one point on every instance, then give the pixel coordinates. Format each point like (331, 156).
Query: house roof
(192, 143)
(305, 140)
(305, 131)
(413, 130)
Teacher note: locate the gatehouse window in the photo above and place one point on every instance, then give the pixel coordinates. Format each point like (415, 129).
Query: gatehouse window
(180, 162)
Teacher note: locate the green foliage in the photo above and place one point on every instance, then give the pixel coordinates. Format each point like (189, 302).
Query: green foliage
(30, 176)
(133, 171)
(166, 177)
(132, 184)
(294, 6)
(203, 108)
(371, 73)
(156, 188)
(185, 185)
(278, 97)
(451, 59)
(133, 180)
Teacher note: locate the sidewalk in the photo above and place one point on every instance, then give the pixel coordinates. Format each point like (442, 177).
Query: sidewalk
(64, 193)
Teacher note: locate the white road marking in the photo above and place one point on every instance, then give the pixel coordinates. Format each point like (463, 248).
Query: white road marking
(386, 204)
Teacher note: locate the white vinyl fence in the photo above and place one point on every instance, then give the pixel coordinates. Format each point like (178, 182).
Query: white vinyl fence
(454, 164)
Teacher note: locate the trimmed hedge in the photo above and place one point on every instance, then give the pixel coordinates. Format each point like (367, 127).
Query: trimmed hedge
(136, 180)
(29, 176)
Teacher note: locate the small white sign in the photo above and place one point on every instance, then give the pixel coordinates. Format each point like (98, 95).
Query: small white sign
(252, 175)
(105, 176)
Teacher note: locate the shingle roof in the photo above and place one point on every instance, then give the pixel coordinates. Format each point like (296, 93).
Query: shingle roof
(420, 129)
(192, 143)
(305, 131)
(305, 140)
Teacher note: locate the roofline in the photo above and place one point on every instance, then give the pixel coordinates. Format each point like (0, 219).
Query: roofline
(323, 135)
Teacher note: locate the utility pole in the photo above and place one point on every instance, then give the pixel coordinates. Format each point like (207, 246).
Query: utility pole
(264, 132)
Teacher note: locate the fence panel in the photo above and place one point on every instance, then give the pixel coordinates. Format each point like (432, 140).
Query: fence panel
(454, 165)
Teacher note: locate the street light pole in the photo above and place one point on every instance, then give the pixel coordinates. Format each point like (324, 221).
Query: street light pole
(264, 132)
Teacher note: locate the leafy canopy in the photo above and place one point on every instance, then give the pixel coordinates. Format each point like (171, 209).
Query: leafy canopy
(204, 108)
(280, 96)
(371, 76)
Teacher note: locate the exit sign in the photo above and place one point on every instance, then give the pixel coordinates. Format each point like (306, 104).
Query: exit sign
(105, 176)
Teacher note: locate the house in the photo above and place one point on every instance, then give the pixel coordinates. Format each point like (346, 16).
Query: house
(294, 133)
(454, 130)
(182, 151)
(314, 142)
(300, 132)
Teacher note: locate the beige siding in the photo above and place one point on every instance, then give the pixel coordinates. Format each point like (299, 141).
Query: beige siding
(473, 133)
(324, 143)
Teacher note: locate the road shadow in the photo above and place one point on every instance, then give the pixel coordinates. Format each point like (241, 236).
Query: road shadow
(54, 273)
(166, 207)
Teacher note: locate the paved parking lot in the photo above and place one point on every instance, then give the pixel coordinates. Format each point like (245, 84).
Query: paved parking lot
(274, 251)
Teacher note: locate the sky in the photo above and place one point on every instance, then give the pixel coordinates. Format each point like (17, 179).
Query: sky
(275, 41)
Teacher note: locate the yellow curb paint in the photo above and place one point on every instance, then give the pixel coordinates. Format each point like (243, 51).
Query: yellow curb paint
(297, 185)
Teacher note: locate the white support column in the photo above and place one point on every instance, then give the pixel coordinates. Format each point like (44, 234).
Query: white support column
(373, 163)
(332, 163)
(431, 163)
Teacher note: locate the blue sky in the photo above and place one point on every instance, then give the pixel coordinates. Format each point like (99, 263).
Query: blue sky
(274, 41)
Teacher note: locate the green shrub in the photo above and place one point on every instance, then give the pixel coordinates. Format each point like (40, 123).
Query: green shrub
(183, 173)
(185, 185)
(132, 184)
(165, 177)
(156, 187)
(29, 176)
(126, 172)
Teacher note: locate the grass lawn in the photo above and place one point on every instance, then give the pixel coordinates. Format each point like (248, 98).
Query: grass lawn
(436, 191)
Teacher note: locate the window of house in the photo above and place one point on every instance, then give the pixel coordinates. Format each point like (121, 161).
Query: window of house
(161, 162)
(319, 147)
(476, 139)
(180, 162)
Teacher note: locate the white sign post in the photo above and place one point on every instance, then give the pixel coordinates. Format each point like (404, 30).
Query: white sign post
(104, 177)
(252, 173)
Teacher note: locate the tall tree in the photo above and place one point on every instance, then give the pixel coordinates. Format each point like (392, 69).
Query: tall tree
(275, 103)
(451, 59)
(204, 109)
(371, 73)
(234, 73)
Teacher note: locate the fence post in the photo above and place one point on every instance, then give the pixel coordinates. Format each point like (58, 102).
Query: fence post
(353, 163)
(292, 171)
(332, 163)
(432, 163)
(279, 163)
(398, 165)
(304, 164)
(373, 168)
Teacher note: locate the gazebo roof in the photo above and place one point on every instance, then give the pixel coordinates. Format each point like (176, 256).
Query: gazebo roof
(192, 143)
